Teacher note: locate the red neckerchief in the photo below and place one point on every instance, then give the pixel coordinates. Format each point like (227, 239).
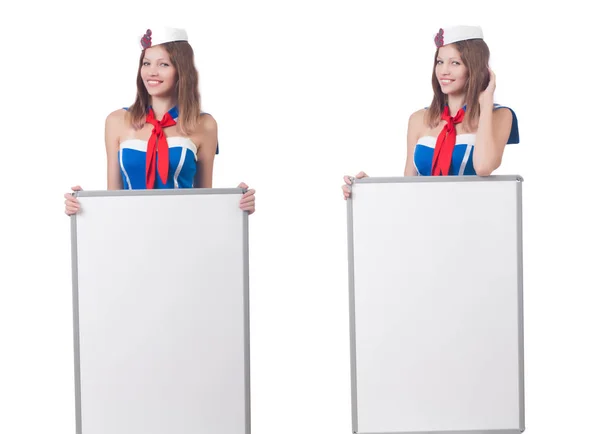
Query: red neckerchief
(157, 153)
(444, 146)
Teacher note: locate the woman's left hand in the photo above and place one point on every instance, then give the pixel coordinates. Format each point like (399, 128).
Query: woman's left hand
(247, 200)
(487, 96)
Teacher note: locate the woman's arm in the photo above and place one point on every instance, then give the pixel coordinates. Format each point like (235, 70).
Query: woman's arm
(415, 125)
(206, 139)
(112, 129)
(492, 132)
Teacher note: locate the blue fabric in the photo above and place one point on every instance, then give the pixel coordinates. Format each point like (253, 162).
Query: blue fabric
(182, 162)
(462, 156)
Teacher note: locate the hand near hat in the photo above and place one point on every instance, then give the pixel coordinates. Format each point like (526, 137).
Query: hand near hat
(487, 96)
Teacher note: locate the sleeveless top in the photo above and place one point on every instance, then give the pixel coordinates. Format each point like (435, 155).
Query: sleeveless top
(182, 162)
(462, 155)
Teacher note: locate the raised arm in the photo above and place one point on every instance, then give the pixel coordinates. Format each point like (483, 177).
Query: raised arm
(493, 132)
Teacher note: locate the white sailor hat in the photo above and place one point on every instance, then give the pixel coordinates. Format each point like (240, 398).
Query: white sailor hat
(450, 35)
(161, 35)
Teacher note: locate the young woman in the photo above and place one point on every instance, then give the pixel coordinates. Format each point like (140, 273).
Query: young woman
(462, 132)
(163, 140)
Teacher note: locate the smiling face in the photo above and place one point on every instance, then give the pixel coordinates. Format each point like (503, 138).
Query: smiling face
(459, 70)
(157, 72)
(450, 71)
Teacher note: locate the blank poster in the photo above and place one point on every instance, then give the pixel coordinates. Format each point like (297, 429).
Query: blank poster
(436, 305)
(161, 312)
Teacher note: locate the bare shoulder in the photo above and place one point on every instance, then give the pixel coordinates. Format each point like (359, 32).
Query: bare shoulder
(117, 116)
(115, 122)
(503, 114)
(114, 129)
(503, 121)
(207, 124)
(416, 121)
(205, 133)
(418, 116)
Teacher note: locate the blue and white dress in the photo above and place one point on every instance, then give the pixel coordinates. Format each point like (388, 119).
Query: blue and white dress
(182, 162)
(462, 155)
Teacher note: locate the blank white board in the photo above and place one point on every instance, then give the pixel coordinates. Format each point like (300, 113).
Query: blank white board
(436, 319)
(160, 286)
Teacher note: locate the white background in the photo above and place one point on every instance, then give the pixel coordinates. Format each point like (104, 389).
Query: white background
(303, 93)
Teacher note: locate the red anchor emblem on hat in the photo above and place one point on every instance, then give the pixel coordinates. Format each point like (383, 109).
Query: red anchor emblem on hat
(439, 38)
(146, 40)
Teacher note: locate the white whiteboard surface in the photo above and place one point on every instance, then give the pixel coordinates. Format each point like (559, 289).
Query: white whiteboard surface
(436, 305)
(161, 312)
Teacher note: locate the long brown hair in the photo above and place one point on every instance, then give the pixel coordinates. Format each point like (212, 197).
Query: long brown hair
(186, 88)
(475, 55)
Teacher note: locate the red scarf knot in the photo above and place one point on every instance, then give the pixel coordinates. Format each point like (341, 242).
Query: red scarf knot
(157, 152)
(444, 146)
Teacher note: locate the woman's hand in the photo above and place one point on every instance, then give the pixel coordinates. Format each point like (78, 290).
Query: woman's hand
(348, 181)
(71, 202)
(247, 200)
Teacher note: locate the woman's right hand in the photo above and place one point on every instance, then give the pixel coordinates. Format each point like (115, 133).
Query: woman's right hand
(348, 181)
(71, 202)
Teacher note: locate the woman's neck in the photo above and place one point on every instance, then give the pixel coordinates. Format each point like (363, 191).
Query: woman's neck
(162, 105)
(455, 103)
